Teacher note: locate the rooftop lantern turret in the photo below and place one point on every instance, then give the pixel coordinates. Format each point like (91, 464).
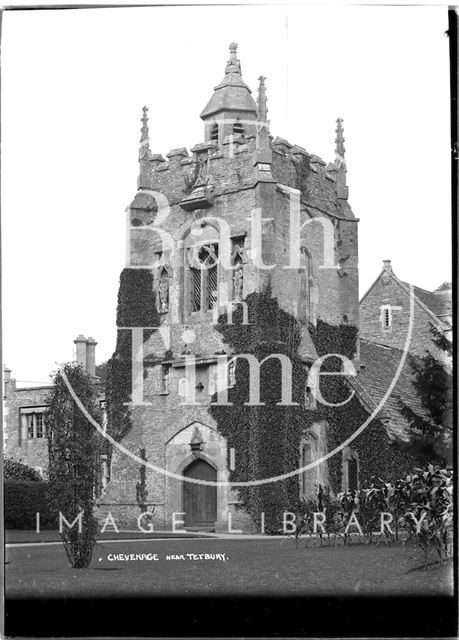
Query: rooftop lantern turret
(231, 109)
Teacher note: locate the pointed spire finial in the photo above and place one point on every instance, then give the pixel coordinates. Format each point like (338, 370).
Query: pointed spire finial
(262, 102)
(263, 154)
(339, 140)
(340, 161)
(144, 151)
(144, 130)
(233, 65)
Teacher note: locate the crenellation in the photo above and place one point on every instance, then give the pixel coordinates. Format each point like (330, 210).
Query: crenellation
(282, 146)
(178, 153)
(299, 151)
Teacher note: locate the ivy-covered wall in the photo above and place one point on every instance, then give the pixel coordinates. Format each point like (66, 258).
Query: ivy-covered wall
(267, 438)
(136, 308)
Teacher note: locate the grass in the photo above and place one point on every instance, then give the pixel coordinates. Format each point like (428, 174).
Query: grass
(267, 567)
(15, 536)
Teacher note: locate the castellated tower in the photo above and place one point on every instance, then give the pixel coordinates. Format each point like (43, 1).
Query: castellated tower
(207, 227)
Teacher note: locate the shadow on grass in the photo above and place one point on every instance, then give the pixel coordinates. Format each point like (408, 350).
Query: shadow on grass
(435, 564)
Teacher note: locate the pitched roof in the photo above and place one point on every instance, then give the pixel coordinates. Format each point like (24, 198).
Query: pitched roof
(436, 304)
(379, 367)
(432, 301)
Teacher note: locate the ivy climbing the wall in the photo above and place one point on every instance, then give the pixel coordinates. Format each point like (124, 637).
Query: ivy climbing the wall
(136, 308)
(267, 438)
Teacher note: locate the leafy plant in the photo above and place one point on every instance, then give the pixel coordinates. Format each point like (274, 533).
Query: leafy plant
(431, 439)
(429, 517)
(73, 447)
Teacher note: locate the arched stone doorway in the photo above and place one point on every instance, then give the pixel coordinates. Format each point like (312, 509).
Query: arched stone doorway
(200, 500)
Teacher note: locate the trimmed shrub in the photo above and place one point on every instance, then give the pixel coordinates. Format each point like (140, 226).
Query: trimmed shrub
(15, 470)
(23, 499)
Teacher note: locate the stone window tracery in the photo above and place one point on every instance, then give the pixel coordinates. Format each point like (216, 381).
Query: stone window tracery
(204, 277)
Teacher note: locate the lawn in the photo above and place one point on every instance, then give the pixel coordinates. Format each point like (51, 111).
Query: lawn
(266, 567)
(15, 536)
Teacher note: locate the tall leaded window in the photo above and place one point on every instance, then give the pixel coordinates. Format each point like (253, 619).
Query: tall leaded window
(204, 277)
(35, 425)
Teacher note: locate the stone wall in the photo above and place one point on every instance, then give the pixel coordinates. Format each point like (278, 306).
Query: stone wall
(17, 444)
(387, 291)
(229, 177)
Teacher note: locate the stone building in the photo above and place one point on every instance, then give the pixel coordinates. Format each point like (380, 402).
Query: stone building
(385, 313)
(244, 213)
(209, 222)
(24, 425)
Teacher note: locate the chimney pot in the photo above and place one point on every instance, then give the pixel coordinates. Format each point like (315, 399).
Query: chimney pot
(387, 266)
(80, 342)
(91, 356)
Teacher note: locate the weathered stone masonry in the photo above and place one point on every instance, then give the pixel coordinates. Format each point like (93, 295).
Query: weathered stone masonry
(238, 168)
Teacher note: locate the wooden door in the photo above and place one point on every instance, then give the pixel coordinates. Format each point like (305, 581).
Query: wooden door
(200, 500)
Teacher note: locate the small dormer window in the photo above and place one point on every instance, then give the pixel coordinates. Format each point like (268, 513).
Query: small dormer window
(214, 132)
(238, 129)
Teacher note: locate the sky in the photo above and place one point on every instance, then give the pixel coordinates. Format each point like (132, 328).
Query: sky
(73, 86)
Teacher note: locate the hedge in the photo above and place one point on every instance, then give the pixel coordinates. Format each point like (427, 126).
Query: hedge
(23, 499)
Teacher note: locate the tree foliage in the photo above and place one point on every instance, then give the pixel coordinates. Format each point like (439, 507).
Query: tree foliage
(431, 440)
(73, 446)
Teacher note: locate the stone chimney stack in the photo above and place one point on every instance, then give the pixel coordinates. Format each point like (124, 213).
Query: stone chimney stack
(6, 380)
(81, 356)
(387, 266)
(91, 356)
(86, 353)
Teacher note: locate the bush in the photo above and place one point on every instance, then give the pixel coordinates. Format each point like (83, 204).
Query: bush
(421, 506)
(23, 499)
(14, 470)
(73, 451)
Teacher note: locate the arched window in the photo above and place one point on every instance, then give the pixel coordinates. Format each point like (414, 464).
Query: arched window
(214, 132)
(238, 129)
(304, 285)
(204, 277)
